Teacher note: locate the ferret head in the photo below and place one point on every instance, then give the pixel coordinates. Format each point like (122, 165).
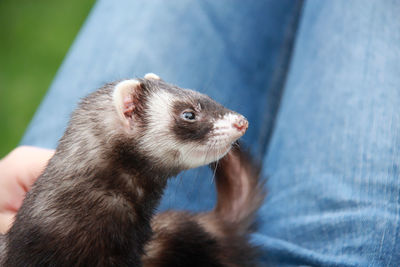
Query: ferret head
(175, 127)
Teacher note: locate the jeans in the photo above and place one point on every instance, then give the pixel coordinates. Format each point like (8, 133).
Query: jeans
(319, 82)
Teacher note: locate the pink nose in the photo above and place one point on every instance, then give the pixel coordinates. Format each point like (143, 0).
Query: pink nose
(241, 124)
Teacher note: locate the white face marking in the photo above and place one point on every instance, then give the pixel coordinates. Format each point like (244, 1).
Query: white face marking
(225, 131)
(158, 140)
(217, 145)
(226, 121)
(162, 144)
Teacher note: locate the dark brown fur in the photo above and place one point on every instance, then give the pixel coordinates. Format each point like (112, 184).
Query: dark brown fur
(217, 238)
(84, 209)
(94, 203)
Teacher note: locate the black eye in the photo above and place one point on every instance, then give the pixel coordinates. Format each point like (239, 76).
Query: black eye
(188, 115)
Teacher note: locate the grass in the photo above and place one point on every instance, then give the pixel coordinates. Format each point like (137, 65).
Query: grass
(34, 38)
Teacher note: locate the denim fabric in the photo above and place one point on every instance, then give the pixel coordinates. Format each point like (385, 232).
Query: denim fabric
(332, 160)
(334, 157)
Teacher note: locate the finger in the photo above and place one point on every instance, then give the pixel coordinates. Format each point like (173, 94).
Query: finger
(35, 161)
(12, 195)
(6, 220)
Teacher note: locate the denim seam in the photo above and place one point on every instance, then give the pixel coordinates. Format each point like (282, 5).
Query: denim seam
(278, 81)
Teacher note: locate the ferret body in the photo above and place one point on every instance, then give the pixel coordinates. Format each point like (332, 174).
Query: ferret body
(216, 238)
(94, 203)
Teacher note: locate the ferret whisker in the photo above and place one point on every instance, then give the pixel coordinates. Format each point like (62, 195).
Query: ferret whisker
(235, 145)
(209, 148)
(214, 172)
(216, 165)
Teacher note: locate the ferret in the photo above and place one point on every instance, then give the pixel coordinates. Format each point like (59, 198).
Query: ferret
(95, 201)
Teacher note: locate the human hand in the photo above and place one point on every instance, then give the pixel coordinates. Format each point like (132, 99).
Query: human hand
(18, 171)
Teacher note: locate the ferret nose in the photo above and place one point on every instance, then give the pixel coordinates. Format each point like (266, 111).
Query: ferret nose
(241, 124)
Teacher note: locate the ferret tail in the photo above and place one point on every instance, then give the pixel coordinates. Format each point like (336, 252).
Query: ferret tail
(240, 190)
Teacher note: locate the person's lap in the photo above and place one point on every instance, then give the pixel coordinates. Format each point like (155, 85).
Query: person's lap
(333, 189)
(334, 184)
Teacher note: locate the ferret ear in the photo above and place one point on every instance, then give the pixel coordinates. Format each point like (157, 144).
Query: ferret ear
(125, 99)
(150, 75)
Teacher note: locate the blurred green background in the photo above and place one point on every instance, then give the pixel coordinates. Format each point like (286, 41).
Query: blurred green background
(34, 37)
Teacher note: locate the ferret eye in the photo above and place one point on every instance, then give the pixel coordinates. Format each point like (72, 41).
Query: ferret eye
(188, 115)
